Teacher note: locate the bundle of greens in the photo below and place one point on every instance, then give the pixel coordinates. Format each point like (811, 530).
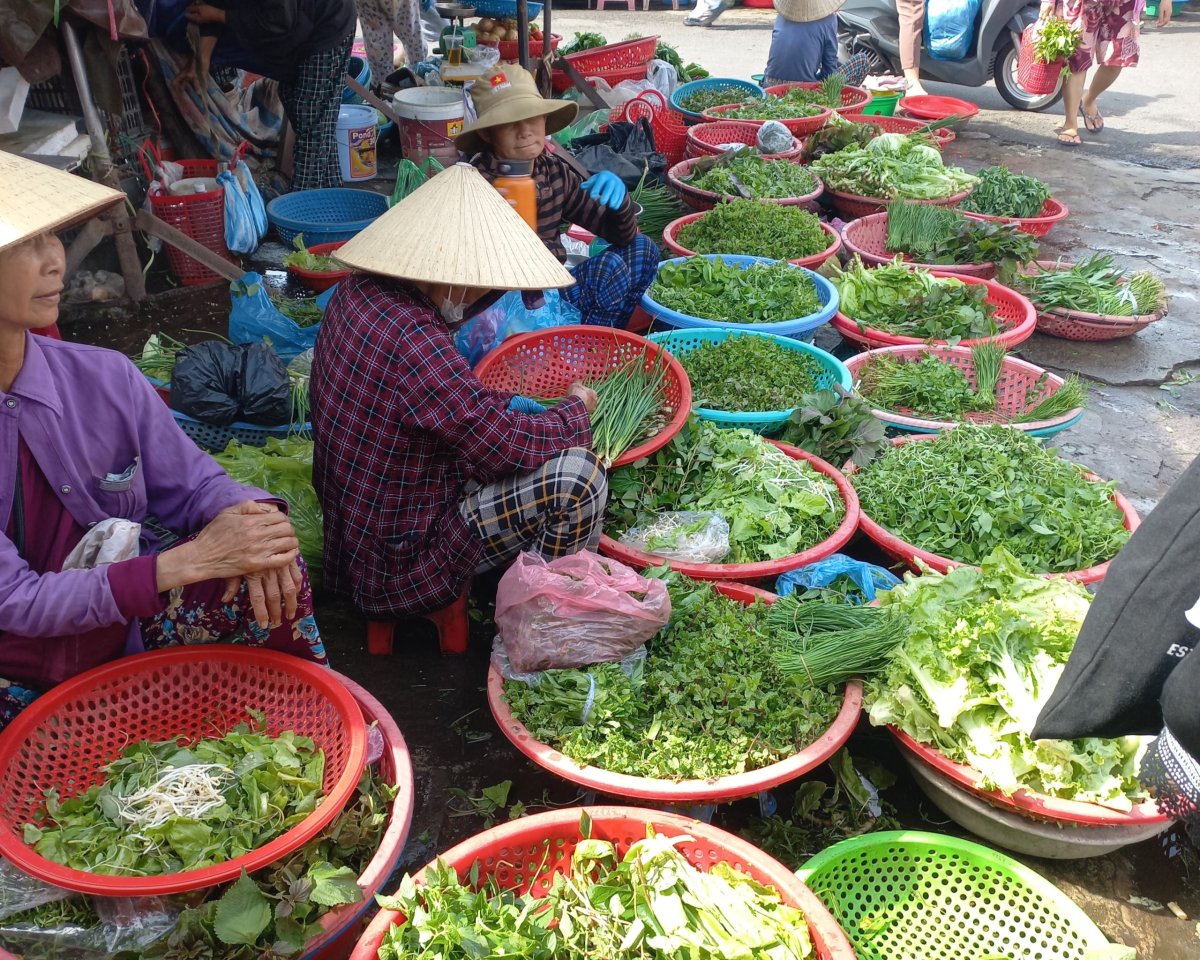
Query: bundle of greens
(302, 259)
(630, 406)
(582, 41)
(984, 651)
(892, 166)
(304, 311)
(715, 659)
(1054, 40)
(660, 205)
(745, 373)
(773, 108)
(701, 100)
(744, 173)
(827, 93)
(926, 233)
(753, 229)
(158, 356)
(1096, 285)
(914, 303)
(836, 427)
(712, 289)
(650, 904)
(824, 642)
(1002, 193)
(974, 488)
(775, 506)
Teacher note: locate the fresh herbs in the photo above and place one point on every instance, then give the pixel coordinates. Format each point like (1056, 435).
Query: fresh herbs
(974, 488)
(773, 108)
(701, 100)
(932, 234)
(660, 205)
(754, 229)
(712, 289)
(822, 643)
(1055, 39)
(158, 356)
(1002, 193)
(304, 312)
(745, 373)
(892, 166)
(744, 173)
(303, 259)
(925, 386)
(1096, 285)
(836, 428)
(630, 405)
(583, 41)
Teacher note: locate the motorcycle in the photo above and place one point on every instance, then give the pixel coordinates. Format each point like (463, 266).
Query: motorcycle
(873, 27)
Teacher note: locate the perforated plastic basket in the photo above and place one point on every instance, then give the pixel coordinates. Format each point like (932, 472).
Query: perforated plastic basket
(326, 215)
(850, 206)
(710, 139)
(199, 215)
(812, 262)
(739, 91)
(523, 855)
(940, 137)
(67, 735)
(215, 439)
(680, 342)
(800, 126)
(853, 98)
(867, 237)
(1053, 211)
(911, 894)
(1088, 327)
(697, 199)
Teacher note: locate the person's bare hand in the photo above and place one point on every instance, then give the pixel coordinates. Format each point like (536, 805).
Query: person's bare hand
(273, 594)
(1164, 13)
(586, 394)
(247, 538)
(205, 13)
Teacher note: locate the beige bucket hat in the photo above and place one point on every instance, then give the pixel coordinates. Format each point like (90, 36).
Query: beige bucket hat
(456, 229)
(509, 94)
(806, 11)
(35, 199)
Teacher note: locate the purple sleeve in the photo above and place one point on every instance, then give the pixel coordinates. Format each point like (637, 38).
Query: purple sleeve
(52, 604)
(134, 586)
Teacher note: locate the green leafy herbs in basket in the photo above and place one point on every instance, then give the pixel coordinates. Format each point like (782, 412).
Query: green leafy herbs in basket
(582, 41)
(744, 173)
(754, 229)
(775, 506)
(745, 373)
(828, 93)
(1055, 39)
(836, 427)
(773, 108)
(716, 658)
(1096, 285)
(303, 259)
(1002, 193)
(892, 166)
(701, 100)
(974, 488)
(660, 205)
(715, 290)
(983, 651)
(926, 233)
(915, 303)
(631, 406)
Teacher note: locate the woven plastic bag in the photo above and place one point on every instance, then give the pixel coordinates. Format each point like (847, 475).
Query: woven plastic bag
(575, 611)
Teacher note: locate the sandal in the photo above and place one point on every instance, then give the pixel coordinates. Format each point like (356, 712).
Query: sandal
(1094, 122)
(1069, 139)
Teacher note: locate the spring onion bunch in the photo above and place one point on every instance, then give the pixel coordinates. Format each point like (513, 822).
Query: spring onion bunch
(826, 642)
(630, 405)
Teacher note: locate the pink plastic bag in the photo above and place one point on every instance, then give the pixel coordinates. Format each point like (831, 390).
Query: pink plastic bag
(576, 611)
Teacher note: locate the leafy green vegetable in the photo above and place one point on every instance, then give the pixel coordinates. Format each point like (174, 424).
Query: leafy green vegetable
(745, 373)
(583, 41)
(711, 288)
(158, 356)
(836, 428)
(304, 311)
(303, 259)
(1096, 285)
(745, 173)
(1055, 39)
(701, 100)
(892, 166)
(824, 642)
(984, 651)
(931, 234)
(753, 229)
(660, 205)
(1002, 193)
(925, 386)
(974, 488)
(774, 108)
(630, 406)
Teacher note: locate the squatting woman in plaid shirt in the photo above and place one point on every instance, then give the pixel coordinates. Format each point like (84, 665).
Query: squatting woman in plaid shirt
(425, 475)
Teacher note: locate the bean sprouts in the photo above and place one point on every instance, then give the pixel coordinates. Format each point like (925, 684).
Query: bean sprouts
(188, 791)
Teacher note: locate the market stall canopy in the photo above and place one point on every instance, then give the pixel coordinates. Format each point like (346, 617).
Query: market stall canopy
(37, 198)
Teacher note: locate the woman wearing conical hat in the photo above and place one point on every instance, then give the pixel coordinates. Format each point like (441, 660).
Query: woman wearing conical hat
(86, 443)
(425, 475)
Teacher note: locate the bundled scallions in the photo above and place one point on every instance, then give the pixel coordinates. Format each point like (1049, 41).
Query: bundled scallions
(1097, 285)
(630, 405)
(157, 359)
(831, 642)
(987, 359)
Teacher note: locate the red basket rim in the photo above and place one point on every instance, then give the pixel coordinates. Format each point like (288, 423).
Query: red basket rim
(695, 140)
(931, 107)
(800, 126)
(941, 135)
(986, 270)
(812, 262)
(580, 59)
(676, 174)
(328, 277)
(952, 200)
(853, 98)
(829, 941)
(1052, 212)
(1017, 333)
(1029, 803)
(34, 716)
(655, 443)
(903, 550)
(763, 569)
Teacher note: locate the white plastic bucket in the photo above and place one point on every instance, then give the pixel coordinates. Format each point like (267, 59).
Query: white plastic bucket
(356, 136)
(430, 119)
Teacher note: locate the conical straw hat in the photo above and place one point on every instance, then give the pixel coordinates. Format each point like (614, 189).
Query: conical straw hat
(35, 198)
(456, 229)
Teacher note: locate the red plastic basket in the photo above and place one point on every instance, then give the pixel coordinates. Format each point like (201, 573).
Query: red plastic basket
(717, 790)
(1015, 316)
(851, 206)
(766, 569)
(670, 133)
(867, 238)
(893, 546)
(702, 200)
(1083, 326)
(931, 107)
(853, 98)
(614, 56)
(510, 50)
(524, 854)
(941, 136)
(812, 262)
(560, 82)
(544, 363)
(705, 139)
(65, 737)
(800, 126)
(320, 282)
(1034, 76)
(1052, 212)
(201, 216)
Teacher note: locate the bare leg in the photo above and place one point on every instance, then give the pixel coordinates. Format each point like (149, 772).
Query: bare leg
(1072, 95)
(912, 21)
(1102, 79)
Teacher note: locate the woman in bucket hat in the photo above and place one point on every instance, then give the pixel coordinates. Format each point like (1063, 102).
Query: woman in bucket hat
(804, 44)
(89, 452)
(512, 122)
(425, 475)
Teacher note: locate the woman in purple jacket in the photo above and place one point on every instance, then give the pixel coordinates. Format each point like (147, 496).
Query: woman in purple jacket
(85, 439)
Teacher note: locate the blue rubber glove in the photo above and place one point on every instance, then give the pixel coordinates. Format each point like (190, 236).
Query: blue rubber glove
(606, 189)
(520, 404)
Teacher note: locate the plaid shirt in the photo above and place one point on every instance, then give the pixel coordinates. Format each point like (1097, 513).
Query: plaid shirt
(401, 425)
(561, 200)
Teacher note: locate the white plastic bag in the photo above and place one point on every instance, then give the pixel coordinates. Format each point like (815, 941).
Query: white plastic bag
(664, 77)
(691, 536)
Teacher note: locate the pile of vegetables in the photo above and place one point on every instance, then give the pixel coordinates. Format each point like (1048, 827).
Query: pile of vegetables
(823, 641)
(914, 303)
(701, 100)
(775, 506)
(709, 699)
(158, 356)
(496, 30)
(745, 173)
(773, 108)
(1055, 39)
(837, 427)
(975, 488)
(660, 205)
(1002, 193)
(712, 289)
(828, 93)
(745, 373)
(983, 652)
(753, 229)
(838, 133)
(926, 233)
(631, 405)
(685, 71)
(302, 259)
(651, 903)
(892, 166)
(583, 41)
(1096, 285)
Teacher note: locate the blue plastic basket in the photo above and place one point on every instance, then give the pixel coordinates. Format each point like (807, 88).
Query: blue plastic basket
(787, 328)
(215, 439)
(323, 216)
(503, 8)
(360, 70)
(679, 342)
(739, 90)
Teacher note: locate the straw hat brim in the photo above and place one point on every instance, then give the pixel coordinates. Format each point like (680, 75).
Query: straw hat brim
(38, 199)
(558, 114)
(806, 11)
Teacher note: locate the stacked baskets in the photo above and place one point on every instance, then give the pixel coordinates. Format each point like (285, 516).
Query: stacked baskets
(613, 63)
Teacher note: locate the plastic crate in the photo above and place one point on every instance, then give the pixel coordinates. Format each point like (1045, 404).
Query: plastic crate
(866, 238)
(325, 215)
(215, 439)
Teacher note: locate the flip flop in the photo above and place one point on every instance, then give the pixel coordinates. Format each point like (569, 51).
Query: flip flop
(1093, 122)
(1069, 139)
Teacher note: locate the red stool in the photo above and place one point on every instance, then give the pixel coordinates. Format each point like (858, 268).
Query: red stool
(453, 626)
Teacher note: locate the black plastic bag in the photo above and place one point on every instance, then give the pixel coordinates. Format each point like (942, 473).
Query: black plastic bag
(221, 383)
(626, 149)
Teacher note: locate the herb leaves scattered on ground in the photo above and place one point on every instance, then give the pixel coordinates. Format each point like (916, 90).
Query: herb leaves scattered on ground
(745, 373)
(712, 289)
(753, 229)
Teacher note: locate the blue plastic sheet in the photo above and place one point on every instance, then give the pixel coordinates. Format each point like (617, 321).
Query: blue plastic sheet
(869, 578)
(950, 28)
(254, 318)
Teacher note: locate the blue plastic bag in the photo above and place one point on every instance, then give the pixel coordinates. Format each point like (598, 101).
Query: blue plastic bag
(240, 234)
(254, 199)
(950, 28)
(866, 576)
(255, 319)
(509, 316)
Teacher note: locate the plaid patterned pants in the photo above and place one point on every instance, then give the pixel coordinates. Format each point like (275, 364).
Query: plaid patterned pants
(609, 285)
(312, 99)
(554, 510)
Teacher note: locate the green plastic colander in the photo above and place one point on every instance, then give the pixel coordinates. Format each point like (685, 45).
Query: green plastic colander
(907, 895)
